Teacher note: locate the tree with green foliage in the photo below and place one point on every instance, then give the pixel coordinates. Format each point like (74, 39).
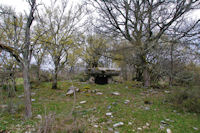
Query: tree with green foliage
(61, 24)
(21, 50)
(141, 22)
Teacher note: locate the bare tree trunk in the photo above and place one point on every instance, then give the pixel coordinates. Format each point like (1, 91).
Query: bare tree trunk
(138, 74)
(27, 93)
(172, 65)
(38, 74)
(146, 77)
(55, 78)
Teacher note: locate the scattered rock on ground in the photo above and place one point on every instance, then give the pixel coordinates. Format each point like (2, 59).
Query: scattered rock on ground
(77, 90)
(109, 107)
(109, 114)
(167, 92)
(195, 128)
(39, 117)
(147, 124)
(118, 124)
(139, 128)
(99, 93)
(116, 93)
(144, 127)
(164, 122)
(82, 102)
(146, 108)
(110, 129)
(114, 103)
(70, 92)
(33, 100)
(130, 123)
(162, 127)
(169, 130)
(127, 101)
(95, 126)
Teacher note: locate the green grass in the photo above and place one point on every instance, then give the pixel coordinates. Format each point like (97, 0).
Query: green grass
(94, 111)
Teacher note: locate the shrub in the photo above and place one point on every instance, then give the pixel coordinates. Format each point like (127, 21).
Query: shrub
(187, 99)
(82, 77)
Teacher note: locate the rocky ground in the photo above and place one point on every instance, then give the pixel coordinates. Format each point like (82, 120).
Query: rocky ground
(126, 107)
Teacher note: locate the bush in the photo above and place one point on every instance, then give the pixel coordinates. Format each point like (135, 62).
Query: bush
(187, 99)
(82, 77)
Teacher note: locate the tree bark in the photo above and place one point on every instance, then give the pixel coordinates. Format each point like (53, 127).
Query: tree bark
(171, 66)
(38, 74)
(27, 93)
(138, 74)
(146, 77)
(55, 78)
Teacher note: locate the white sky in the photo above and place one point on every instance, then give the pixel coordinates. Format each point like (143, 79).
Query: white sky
(22, 5)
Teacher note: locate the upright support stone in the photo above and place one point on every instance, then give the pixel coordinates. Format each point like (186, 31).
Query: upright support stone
(92, 80)
(110, 80)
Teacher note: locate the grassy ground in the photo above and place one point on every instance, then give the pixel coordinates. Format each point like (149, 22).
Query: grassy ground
(147, 111)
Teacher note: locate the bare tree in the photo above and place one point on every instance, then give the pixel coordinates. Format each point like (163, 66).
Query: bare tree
(61, 24)
(23, 56)
(141, 22)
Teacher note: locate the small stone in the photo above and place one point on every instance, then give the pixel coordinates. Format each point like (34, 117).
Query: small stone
(114, 103)
(146, 108)
(33, 100)
(96, 126)
(39, 117)
(167, 92)
(163, 122)
(162, 127)
(70, 92)
(169, 130)
(77, 90)
(139, 128)
(93, 91)
(195, 128)
(130, 123)
(144, 127)
(127, 101)
(118, 124)
(116, 131)
(110, 129)
(82, 102)
(109, 114)
(99, 93)
(109, 107)
(147, 124)
(116, 93)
